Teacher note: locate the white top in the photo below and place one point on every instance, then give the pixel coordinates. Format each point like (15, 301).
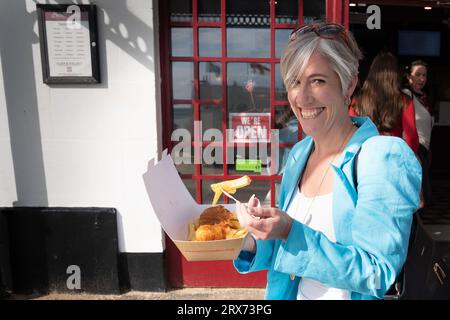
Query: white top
(424, 121)
(320, 218)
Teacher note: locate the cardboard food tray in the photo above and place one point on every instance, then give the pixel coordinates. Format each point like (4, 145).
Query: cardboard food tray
(175, 209)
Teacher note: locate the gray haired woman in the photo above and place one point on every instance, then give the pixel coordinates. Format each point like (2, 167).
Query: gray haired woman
(347, 195)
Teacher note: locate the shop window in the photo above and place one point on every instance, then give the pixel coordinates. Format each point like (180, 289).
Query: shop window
(225, 75)
(221, 81)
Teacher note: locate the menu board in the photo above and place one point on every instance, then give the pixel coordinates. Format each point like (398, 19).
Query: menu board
(68, 44)
(68, 41)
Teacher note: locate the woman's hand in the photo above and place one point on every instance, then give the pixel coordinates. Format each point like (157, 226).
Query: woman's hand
(263, 223)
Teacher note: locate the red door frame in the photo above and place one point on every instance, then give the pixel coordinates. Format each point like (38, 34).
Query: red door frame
(337, 11)
(180, 272)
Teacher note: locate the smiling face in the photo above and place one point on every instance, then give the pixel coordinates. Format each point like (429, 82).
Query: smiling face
(418, 78)
(316, 98)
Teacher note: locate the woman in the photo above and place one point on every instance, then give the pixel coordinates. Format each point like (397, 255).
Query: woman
(417, 80)
(381, 99)
(339, 233)
(416, 77)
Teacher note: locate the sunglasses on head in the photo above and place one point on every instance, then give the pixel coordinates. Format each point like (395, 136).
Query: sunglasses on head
(325, 31)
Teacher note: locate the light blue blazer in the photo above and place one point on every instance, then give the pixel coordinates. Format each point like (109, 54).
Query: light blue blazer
(372, 221)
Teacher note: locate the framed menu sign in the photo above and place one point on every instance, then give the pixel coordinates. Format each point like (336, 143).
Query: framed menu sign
(68, 40)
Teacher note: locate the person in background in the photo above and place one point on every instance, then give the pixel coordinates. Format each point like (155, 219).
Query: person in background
(382, 100)
(347, 195)
(417, 78)
(415, 81)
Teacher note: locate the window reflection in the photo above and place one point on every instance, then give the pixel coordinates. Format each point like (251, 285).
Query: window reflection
(183, 159)
(182, 80)
(248, 42)
(248, 87)
(212, 160)
(280, 89)
(210, 76)
(211, 117)
(281, 40)
(248, 28)
(183, 118)
(209, 42)
(181, 136)
(181, 42)
(190, 185)
(287, 124)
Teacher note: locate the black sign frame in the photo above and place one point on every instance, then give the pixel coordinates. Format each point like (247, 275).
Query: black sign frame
(89, 11)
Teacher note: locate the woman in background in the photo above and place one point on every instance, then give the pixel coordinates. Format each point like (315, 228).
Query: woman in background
(416, 80)
(382, 100)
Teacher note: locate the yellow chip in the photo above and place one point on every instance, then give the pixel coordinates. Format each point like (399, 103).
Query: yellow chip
(229, 186)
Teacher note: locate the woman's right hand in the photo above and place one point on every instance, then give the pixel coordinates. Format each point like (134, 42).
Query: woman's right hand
(242, 211)
(263, 223)
(244, 218)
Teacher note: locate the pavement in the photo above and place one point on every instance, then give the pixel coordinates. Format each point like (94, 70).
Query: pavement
(172, 294)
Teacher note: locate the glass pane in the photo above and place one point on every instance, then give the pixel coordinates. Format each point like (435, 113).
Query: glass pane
(286, 11)
(212, 160)
(190, 185)
(209, 10)
(209, 42)
(255, 157)
(248, 28)
(211, 117)
(182, 80)
(313, 10)
(280, 90)
(183, 157)
(182, 42)
(287, 124)
(281, 40)
(183, 118)
(248, 42)
(180, 10)
(210, 76)
(248, 87)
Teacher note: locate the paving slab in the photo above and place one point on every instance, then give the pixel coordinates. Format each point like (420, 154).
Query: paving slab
(174, 294)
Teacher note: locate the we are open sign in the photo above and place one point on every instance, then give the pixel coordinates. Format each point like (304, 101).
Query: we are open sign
(250, 127)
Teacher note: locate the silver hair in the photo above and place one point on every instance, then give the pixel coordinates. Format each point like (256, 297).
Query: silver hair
(343, 56)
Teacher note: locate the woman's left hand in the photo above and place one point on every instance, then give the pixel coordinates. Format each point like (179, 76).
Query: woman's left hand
(270, 223)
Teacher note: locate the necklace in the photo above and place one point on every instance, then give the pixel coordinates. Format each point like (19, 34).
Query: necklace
(307, 217)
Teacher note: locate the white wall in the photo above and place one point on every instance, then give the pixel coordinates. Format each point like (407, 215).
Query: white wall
(83, 145)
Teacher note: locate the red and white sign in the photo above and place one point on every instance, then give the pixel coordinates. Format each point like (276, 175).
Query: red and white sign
(250, 127)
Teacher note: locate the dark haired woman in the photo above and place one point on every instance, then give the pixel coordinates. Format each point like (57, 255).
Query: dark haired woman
(381, 99)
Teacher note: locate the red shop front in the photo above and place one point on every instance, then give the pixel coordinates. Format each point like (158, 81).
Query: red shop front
(220, 71)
